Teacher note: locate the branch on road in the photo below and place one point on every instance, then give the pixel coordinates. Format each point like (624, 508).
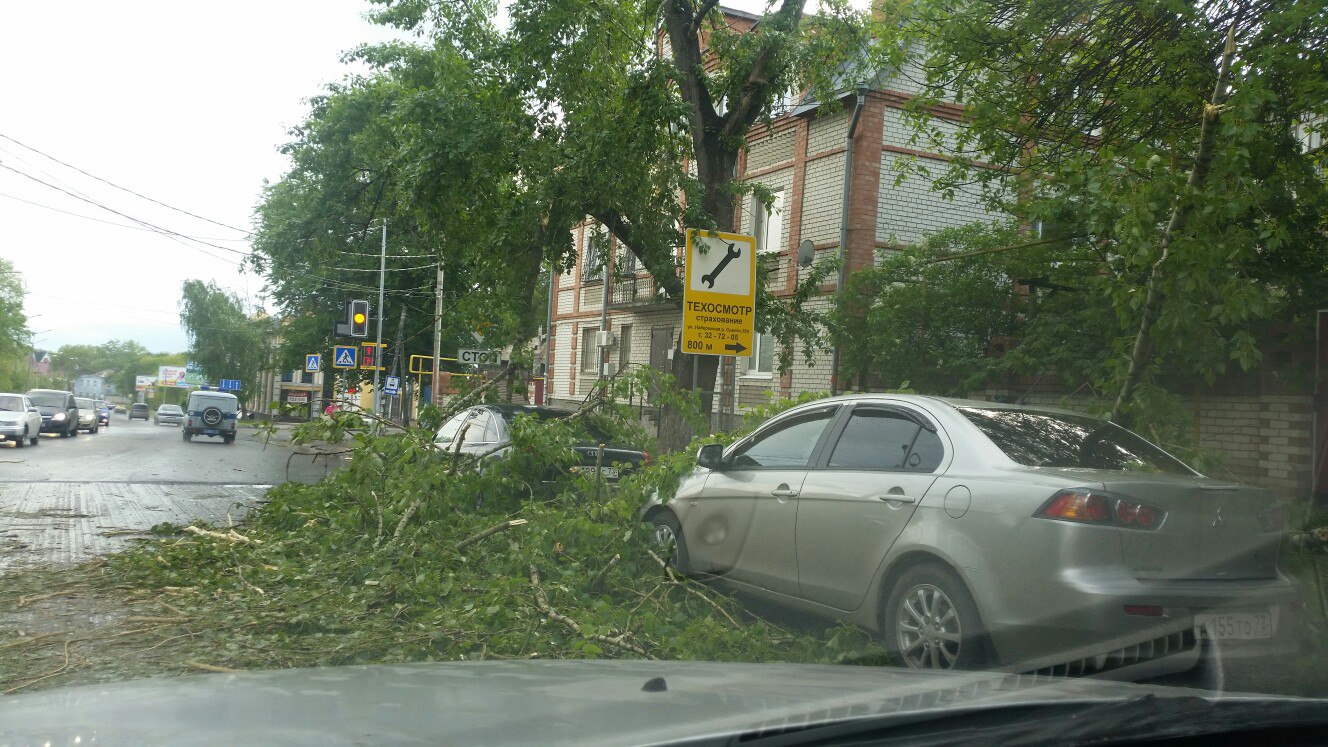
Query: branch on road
(231, 536)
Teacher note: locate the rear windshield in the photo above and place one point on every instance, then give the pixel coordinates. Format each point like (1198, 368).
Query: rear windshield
(10, 403)
(140, 406)
(1045, 439)
(169, 408)
(47, 399)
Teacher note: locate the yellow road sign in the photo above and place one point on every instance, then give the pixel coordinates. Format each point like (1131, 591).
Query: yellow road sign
(719, 293)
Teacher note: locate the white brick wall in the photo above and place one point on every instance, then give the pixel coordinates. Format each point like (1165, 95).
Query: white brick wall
(771, 150)
(565, 299)
(821, 199)
(828, 132)
(563, 344)
(898, 131)
(908, 211)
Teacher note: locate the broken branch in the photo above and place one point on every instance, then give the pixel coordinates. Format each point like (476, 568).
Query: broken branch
(496, 528)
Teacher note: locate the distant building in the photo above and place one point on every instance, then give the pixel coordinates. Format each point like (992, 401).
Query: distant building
(40, 362)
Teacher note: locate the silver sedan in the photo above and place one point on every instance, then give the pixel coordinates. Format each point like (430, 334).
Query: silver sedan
(974, 534)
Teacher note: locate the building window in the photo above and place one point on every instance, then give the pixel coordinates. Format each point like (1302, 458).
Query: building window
(589, 350)
(624, 346)
(306, 377)
(763, 355)
(768, 223)
(592, 256)
(288, 377)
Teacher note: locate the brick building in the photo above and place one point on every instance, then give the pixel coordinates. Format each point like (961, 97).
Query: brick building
(1264, 435)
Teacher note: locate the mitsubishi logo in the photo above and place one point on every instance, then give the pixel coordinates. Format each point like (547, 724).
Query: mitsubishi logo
(1217, 518)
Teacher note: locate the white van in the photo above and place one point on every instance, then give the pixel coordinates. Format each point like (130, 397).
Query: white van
(211, 414)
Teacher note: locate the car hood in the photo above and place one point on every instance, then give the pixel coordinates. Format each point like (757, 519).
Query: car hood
(49, 409)
(529, 702)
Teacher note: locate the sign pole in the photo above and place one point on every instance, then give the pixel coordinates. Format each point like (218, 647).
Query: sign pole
(437, 335)
(378, 345)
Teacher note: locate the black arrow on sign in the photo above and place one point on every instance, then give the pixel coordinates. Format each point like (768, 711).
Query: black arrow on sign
(736, 347)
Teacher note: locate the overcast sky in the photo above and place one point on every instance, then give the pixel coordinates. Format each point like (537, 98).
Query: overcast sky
(184, 103)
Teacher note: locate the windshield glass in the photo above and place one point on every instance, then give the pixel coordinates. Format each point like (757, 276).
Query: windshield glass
(1042, 439)
(11, 403)
(48, 399)
(83, 404)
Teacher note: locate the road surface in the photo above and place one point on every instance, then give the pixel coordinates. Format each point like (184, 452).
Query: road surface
(69, 499)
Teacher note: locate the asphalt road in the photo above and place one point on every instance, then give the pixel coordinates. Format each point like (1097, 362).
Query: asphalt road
(69, 499)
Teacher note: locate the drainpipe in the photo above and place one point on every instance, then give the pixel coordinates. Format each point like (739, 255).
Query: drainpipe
(843, 222)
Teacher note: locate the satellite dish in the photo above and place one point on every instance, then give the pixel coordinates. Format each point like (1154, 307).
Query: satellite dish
(806, 252)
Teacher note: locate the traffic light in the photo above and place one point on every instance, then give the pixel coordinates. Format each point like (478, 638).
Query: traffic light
(359, 318)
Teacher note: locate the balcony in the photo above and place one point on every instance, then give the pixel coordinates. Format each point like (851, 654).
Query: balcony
(632, 291)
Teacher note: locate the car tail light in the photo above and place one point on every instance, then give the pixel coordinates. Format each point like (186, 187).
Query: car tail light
(1096, 507)
(647, 458)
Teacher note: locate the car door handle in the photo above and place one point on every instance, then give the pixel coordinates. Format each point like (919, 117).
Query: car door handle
(897, 498)
(784, 491)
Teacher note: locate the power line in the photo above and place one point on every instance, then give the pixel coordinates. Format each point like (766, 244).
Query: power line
(429, 266)
(107, 222)
(163, 231)
(123, 189)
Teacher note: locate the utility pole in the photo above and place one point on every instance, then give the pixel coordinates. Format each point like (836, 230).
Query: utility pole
(437, 334)
(378, 350)
(548, 336)
(396, 366)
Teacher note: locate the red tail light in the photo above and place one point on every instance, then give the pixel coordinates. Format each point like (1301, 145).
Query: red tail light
(1096, 507)
(648, 459)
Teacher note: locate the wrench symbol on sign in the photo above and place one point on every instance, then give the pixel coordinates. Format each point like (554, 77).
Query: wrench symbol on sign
(733, 253)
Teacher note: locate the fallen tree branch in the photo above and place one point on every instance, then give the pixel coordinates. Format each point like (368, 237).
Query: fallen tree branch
(1309, 538)
(210, 667)
(48, 675)
(673, 579)
(163, 620)
(230, 536)
(542, 602)
(26, 600)
(598, 581)
(496, 528)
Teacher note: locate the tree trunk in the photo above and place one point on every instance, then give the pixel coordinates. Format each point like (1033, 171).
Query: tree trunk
(1180, 215)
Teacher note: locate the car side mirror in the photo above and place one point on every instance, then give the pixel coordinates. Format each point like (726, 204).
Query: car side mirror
(711, 456)
(33, 409)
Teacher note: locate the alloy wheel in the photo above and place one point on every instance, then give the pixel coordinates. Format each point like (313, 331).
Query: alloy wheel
(928, 629)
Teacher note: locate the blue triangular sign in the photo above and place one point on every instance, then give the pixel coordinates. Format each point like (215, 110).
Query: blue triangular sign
(346, 358)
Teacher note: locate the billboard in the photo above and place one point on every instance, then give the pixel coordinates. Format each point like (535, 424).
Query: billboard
(172, 376)
(193, 374)
(143, 382)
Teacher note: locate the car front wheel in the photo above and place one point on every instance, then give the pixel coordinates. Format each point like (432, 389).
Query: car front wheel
(932, 622)
(668, 536)
(22, 440)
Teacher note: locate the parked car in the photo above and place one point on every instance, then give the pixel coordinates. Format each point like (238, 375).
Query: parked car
(20, 421)
(103, 412)
(211, 414)
(138, 410)
(490, 428)
(973, 534)
(58, 410)
(168, 414)
(87, 414)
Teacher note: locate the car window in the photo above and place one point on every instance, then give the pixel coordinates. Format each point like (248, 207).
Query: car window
(877, 439)
(1047, 439)
(11, 403)
(788, 444)
(448, 431)
(83, 404)
(480, 428)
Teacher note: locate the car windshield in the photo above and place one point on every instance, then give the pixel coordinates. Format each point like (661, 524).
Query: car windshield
(983, 336)
(11, 403)
(1044, 439)
(48, 399)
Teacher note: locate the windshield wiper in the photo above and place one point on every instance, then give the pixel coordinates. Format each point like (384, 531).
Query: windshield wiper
(1149, 717)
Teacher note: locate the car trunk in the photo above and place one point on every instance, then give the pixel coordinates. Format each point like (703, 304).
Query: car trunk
(1213, 529)
(624, 457)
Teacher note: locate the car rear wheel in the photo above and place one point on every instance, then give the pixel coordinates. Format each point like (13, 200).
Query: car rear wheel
(668, 536)
(932, 622)
(188, 435)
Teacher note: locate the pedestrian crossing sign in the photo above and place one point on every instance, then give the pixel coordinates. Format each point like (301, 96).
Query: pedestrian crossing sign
(343, 356)
(313, 362)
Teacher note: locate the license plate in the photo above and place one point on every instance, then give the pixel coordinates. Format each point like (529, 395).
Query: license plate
(1236, 626)
(609, 473)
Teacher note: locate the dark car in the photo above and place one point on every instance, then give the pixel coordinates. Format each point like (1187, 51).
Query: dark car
(490, 427)
(138, 410)
(104, 412)
(58, 409)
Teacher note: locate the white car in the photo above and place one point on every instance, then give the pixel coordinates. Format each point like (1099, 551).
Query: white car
(20, 421)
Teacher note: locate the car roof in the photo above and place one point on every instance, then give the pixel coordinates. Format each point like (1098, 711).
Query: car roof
(12, 394)
(509, 410)
(209, 393)
(955, 402)
(49, 391)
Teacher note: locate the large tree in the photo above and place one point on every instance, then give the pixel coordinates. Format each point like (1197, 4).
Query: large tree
(1175, 141)
(14, 334)
(625, 94)
(224, 339)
